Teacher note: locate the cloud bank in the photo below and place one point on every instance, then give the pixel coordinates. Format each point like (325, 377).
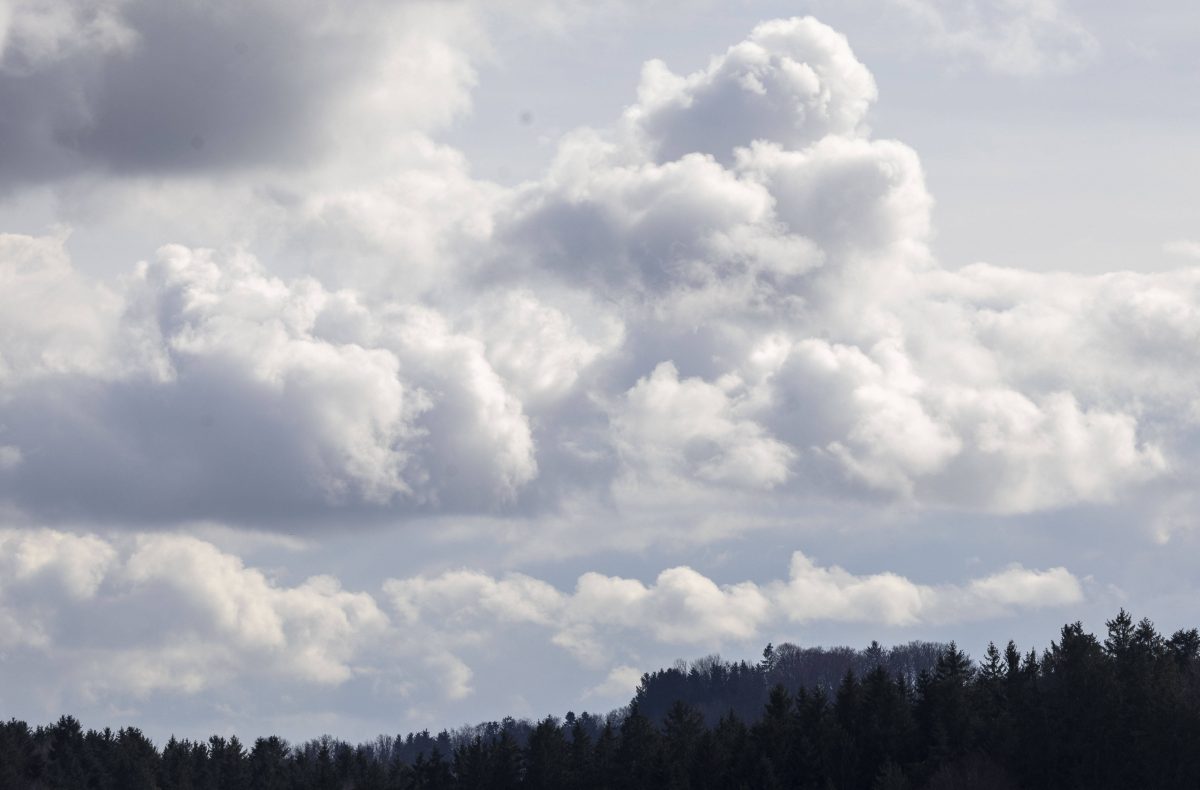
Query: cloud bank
(678, 310)
(194, 618)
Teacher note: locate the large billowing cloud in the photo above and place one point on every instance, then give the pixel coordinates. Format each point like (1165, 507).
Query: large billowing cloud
(221, 390)
(679, 311)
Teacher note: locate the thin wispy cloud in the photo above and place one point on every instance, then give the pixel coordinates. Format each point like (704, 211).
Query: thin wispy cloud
(1183, 248)
(1014, 37)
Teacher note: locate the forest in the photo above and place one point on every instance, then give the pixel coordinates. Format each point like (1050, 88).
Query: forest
(1120, 712)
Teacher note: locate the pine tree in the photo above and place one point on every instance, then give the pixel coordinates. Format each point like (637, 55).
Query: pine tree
(546, 757)
(136, 765)
(65, 762)
(682, 732)
(604, 765)
(579, 757)
(890, 777)
(774, 737)
(268, 765)
(638, 752)
(505, 769)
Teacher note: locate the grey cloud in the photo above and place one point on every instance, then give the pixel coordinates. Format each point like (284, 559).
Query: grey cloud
(852, 197)
(135, 87)
(628, 228)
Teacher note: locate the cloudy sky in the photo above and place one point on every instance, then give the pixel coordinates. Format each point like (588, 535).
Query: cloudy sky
(377, 366)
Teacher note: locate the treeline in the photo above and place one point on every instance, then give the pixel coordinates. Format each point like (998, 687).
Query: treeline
(1122, 712)
(716, 688)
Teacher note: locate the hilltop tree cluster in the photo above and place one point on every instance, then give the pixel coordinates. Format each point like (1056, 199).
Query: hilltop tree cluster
(1119, 713)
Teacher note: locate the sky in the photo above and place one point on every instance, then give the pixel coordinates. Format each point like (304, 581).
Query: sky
(396, 365)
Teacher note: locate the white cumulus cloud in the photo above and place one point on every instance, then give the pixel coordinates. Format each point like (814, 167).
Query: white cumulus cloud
(662, 319)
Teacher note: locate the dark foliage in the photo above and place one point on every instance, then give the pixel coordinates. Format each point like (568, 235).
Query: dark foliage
(1119, 713)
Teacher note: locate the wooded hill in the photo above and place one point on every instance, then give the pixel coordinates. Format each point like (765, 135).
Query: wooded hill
(1120, 712)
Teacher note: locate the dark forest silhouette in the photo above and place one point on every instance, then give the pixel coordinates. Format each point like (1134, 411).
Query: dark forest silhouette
(1120, 713)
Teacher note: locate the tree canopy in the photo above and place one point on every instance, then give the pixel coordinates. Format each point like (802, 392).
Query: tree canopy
(1121, 712)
